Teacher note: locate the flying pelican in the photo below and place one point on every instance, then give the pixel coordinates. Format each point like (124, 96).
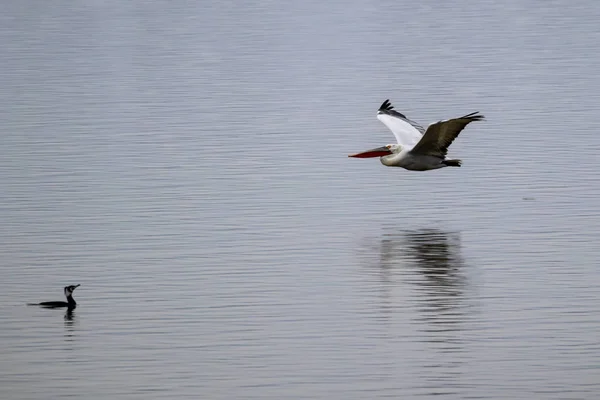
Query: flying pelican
(418, 149)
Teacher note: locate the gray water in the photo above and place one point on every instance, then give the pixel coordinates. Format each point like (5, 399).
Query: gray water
(185, 162)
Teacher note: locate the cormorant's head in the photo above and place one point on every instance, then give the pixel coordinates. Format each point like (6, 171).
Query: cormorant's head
(69, 289)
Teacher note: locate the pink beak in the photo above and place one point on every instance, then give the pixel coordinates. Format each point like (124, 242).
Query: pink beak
(378, 152)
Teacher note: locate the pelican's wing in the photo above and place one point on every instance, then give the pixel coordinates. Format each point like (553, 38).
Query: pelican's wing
(407, 132)
(441, 134)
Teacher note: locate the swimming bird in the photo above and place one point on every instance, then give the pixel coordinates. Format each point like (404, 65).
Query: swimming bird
(70, 303)
(418, 149)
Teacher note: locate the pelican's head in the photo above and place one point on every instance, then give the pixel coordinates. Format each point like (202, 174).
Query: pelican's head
(69, 290)
(379, 151)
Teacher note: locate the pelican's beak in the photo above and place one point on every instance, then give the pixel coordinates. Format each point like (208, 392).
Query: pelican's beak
(76, 286)
(378, 152)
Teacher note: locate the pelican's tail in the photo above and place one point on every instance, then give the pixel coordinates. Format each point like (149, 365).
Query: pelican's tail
(452, 163)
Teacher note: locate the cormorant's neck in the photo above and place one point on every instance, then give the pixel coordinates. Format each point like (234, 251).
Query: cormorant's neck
(71, 301)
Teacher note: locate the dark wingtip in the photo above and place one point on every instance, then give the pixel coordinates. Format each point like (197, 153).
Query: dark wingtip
(474, 116)
(386, 106)
(452, 163)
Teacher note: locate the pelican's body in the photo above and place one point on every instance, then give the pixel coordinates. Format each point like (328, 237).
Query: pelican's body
(405, 159)
(417, 149)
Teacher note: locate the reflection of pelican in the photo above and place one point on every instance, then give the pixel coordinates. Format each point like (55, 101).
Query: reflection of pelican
(423, 295)
(435, 255)
(429, 261)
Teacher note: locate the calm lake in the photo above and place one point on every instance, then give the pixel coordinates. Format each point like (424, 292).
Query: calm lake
(186, 163)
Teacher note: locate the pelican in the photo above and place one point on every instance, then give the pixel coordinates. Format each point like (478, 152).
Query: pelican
(418, 149)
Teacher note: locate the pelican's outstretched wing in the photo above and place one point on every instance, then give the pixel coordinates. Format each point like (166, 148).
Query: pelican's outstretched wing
(407, 132)
(441, 134)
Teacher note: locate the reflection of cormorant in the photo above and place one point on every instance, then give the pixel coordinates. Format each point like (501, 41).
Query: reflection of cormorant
(69, 315)
(70, 320)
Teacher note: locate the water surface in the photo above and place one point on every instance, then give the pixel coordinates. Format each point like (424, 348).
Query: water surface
(186, 164)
